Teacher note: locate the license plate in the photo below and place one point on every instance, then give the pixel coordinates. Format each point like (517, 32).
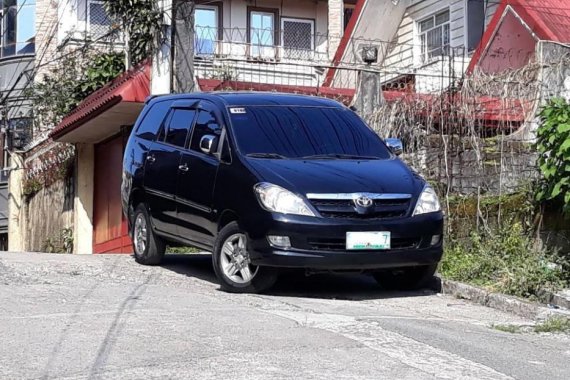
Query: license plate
(367, 240)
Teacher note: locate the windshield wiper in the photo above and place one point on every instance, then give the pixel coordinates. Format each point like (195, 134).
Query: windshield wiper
(266, 155)
(338, 156)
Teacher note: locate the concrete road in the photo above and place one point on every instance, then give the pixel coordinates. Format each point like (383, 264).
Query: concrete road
(77, 317)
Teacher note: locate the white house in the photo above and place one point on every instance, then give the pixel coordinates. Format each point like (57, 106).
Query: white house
(435, 41)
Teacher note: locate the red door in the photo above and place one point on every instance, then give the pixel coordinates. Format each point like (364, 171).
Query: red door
(109, 227)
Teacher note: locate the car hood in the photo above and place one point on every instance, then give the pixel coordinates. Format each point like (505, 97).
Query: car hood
(339, 176)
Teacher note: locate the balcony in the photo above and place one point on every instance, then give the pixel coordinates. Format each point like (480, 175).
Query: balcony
(290, 56)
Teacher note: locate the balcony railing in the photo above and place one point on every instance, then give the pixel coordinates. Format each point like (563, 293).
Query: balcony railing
(292, 44)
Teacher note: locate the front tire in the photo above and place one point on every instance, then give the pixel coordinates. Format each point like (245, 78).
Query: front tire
(232, 264)
(411, 278)
(149, 249)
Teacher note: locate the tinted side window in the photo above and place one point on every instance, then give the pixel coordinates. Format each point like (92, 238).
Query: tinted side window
(206, 124)
(180, 124)
(148, 128)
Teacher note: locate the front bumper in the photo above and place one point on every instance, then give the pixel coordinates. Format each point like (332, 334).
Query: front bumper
(319, 243)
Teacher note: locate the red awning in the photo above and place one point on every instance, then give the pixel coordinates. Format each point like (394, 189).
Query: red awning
(131, 87)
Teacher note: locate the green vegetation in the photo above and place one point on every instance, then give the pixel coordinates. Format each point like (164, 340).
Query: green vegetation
(505, 261)
(69, 82)
(513, 329)
(140, 22)
(182, 250)
(553, 144)
(553, 325)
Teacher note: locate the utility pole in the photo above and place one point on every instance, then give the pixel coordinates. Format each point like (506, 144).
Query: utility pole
(183, 46)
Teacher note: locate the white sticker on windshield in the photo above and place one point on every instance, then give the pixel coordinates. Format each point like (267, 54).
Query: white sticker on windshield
(237, 110)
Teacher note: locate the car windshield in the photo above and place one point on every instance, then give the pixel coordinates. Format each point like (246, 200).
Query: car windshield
(276, 132)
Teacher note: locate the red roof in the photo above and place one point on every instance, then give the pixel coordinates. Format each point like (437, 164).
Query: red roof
(483, 108)
(343, 95)
(548, 19)
(131, 86)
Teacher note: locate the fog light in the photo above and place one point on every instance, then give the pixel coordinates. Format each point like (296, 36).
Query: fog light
(435, 239)
(279, 241)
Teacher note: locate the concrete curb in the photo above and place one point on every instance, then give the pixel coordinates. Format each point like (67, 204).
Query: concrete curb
(509, 304)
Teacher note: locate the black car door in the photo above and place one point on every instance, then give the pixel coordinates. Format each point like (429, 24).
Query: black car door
(197, 178)
(162, 167)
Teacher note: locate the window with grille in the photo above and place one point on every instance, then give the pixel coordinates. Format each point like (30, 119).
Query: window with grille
(99, 21)
(297, 37)
(434, 33)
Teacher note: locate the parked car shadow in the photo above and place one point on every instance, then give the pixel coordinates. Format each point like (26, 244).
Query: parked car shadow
(294, 283)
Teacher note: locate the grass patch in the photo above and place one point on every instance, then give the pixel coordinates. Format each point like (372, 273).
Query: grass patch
(182, 250)
(506, 261)
(513, 329)
(553, 325)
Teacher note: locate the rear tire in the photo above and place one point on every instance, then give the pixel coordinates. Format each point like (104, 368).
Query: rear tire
(149, 249)
(411, 278)
(232, 266)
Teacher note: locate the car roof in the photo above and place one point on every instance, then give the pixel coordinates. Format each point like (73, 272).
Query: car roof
(233, 99)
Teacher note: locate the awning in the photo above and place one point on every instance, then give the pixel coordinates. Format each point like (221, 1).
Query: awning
(102, 113)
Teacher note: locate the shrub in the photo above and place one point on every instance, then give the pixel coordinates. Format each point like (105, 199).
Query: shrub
(507, 261)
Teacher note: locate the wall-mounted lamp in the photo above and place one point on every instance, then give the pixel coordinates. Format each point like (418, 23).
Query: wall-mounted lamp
(370, 54)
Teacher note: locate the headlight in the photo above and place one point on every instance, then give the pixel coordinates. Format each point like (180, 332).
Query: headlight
(427, 202)
(277, 199)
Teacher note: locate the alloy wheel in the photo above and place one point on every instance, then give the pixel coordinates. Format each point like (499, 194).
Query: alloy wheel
(235, 261)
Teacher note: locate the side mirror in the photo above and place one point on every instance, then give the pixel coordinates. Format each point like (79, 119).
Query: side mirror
(208, 144)
(395, 145)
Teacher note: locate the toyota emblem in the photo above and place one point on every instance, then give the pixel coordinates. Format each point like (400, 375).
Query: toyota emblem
(363, 201)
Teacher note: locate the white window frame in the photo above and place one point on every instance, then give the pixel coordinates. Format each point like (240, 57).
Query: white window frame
(423, 54)
(300, 20)
(216, 10)
(251, 28)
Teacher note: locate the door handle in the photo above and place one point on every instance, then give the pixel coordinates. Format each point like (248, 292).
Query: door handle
(150, 158)
(183, 168)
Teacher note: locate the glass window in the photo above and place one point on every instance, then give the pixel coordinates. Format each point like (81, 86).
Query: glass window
(206, 124)
(434, 36)
(262, 28)
(206, 24)
(179, 126)
(296, 132)
(148, 129)
(18, 27)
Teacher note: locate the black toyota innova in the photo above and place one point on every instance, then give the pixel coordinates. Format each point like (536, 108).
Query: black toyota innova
(268, 181)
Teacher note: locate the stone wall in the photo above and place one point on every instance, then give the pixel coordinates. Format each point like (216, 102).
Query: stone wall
(48, 214)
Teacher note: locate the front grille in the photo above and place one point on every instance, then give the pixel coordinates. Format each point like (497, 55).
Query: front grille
(339, 244)
(346, 209)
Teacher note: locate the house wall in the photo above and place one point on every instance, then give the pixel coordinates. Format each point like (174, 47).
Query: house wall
(233, 59)
(47, 19)
(404, 54)
(512, 46)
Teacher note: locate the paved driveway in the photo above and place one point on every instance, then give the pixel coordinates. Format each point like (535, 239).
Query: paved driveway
(64, 316)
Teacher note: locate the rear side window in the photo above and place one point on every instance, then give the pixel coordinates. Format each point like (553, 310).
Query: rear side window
(206, 124)
(179, 126)
(148, 129)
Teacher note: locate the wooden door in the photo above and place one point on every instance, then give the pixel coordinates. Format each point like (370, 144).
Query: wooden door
(109, 225)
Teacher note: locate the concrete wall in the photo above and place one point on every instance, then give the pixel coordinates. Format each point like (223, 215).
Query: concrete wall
(83, 202)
